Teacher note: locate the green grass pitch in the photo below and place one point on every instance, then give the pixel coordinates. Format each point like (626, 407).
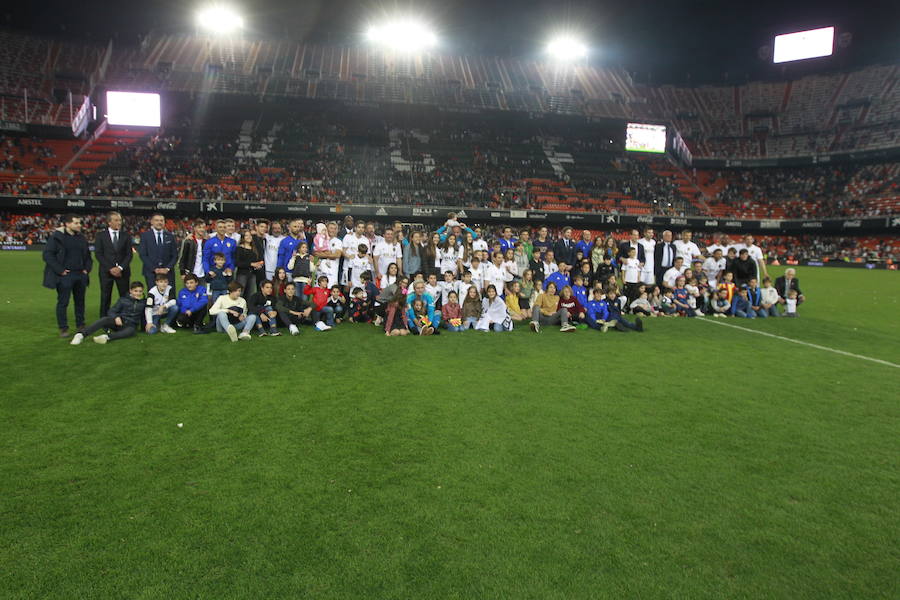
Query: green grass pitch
(691, 461)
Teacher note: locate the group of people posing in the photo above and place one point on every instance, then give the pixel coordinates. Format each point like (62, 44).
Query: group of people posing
(270, 277)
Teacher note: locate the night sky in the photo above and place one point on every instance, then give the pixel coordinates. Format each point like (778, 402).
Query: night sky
(659, 40)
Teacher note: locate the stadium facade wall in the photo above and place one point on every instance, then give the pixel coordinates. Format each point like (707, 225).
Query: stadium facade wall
(212, 210)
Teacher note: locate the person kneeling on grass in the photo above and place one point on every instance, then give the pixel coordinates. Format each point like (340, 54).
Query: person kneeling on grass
(681, 298)
(417, 318)
(614, 308)
(230, 312)
(494, 315)
(293, 309)
(192, 304)
(396, 319)
(123, 319)
(262, 304)
(721, 307)
(513, 302)
(740, 305)
(323, 315)
(597, 311)
(451, 312)
(162, 307)
(546, 311)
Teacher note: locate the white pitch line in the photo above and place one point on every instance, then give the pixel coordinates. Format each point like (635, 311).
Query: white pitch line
(811, 345)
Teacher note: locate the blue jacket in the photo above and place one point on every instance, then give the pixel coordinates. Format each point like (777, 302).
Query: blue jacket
(559, 279)
(585, 248)
(158, 256)
(508, 244)
(286, 249)
(429, 305)
(738, 303)
(754, 296)
(581, 294)
(192, 301)
(213, 245)
(596, 310)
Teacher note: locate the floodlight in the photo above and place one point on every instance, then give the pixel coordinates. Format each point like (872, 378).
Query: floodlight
(566, 48)
(219, 19)
(405, 35)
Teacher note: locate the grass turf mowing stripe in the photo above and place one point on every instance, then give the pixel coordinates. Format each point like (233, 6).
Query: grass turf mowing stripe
(811, 345)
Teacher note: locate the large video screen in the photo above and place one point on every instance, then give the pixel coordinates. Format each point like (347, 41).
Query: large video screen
(643, 137)
(130, 108)
(804, 44)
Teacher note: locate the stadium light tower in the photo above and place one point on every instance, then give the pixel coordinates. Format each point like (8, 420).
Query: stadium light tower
(219, 19)
(403, 35)
(566, 49)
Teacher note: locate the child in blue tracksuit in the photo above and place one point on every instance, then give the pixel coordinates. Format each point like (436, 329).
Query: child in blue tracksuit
(597, 311)
(579, 291)
(615, 313)
(192, 304)
(740, 305)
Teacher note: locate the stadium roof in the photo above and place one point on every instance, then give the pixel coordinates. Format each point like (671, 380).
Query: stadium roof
(670, 41)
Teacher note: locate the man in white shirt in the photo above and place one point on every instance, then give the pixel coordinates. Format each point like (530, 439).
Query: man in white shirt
(687, 249)
(273, 239)
(550, 266)
(756, 255)
(720, 242)
(328, 264)
(714, 267)
(351, 243)
(497, 274)
(388, 251)
(674, 273)
(649, 246)
(479, 244)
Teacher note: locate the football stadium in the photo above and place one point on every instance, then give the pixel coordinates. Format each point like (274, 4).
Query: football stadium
(652, 246)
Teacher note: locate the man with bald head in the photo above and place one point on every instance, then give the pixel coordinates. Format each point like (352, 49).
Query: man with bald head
(663, 256)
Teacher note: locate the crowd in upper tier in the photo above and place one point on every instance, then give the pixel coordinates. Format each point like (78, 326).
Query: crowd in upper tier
(272, 276)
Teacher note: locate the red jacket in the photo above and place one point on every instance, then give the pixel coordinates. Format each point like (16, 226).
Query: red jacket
(572, 305)
(319, 295)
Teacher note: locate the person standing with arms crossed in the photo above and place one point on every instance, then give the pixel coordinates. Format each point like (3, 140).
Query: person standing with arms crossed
(67, 262)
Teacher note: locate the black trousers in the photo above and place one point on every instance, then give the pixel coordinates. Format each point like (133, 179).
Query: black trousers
(73, 285)
(107, 282)
(195, 319)
(287, 319)
(115, 332)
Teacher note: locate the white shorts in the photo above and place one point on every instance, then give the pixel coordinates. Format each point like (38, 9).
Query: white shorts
(647, 278)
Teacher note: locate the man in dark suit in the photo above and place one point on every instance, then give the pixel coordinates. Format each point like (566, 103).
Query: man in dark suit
(67, 262)
(786, 282)
(663, 256)
(564, 248)
(158, 251)
(112, 248)
(631, 242)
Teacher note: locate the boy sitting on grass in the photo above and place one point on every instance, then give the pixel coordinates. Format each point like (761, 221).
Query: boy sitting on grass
(123, 319)
(161, 306)
(231, 315)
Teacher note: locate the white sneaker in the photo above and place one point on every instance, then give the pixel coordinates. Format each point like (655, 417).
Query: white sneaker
(699, 313)
(321, 326)
(294, 330)
(166, 328)
(244, 336)
(567, 327)
(535, 327)
(605, 327)
(232, 333)
(77, 339)
(101, 339)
